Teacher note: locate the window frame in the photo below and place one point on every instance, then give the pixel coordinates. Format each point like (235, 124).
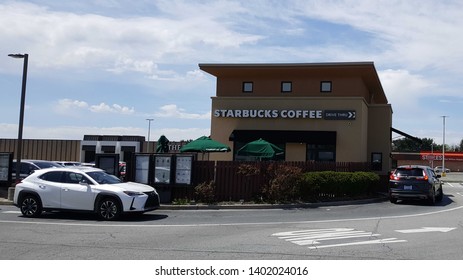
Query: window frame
(314, 152)
(323, 84)
(248, 83)
(283, 83)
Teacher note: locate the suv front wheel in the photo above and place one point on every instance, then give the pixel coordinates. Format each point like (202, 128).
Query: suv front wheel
(30, 206)
(109, 209)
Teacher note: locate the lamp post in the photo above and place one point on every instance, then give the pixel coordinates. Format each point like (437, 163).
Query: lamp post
(149, 131)
(21, 112)
(443, 145)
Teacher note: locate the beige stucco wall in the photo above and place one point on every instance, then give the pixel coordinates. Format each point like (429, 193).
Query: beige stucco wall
(351, 135)
(379, 133)
(295, 152)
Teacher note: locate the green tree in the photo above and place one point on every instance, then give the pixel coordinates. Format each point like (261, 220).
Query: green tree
(411, 145)
(461, 145)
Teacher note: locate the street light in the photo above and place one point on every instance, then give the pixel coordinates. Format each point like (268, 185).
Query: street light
(21, 113)
(149, 130)
(443, 145)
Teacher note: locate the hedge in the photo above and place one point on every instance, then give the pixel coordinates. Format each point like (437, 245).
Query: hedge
(331, 184)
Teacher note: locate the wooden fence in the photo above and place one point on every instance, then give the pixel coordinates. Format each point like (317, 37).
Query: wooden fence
(233, 186)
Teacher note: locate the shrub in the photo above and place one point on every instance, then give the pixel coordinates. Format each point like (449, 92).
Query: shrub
(331, 184)
(248, 170)
(205, 192)
(281, 183)
(284, 183)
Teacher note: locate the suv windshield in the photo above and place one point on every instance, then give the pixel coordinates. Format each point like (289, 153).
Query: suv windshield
(104, 178)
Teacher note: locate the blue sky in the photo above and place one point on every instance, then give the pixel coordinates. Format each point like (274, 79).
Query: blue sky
(105, 66)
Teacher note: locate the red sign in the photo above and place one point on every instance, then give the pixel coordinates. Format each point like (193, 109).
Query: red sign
(431, 157)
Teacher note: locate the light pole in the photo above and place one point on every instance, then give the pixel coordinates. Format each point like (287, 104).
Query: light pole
(443, 145)
(21, 113)
(149, 131)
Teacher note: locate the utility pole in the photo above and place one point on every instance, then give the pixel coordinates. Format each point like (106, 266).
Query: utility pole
(149, 131)
(25, 57)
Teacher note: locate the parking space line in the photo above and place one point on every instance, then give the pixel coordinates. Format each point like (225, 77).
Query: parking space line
(451, 185)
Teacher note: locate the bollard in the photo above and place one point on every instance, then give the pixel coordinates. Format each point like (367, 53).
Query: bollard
(11, 193)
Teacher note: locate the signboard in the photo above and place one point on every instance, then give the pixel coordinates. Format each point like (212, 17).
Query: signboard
(6, 162)
(339, 115)
(431, 157)
(162, 166)
(269, 114)
(184, 165)
(142, 169)
(286, 114)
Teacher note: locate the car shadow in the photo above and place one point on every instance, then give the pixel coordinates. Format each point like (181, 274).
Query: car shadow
(446, 200)
(79, 216)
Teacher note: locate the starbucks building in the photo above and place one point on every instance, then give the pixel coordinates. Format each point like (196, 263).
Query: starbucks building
(313, 111)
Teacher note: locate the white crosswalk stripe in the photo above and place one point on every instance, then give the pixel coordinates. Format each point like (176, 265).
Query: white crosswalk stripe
(453, 185)
(325, 238)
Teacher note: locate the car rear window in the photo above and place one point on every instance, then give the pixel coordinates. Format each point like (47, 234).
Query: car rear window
(409, 172)
(46, 164)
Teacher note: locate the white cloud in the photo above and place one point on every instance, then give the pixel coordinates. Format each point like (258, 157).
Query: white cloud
(172, 111)
(66, 104)
(415, 46)
(64, 39)
(77, 132)
(403, 88)
(115, 108)
(418, 34)
(69, 106)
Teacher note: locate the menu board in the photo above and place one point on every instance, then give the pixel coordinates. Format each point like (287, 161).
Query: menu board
(5, 161)
(183, 170)
(162, 169)
(142, 168)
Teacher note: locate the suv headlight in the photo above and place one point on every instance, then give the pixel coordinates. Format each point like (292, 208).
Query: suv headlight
(132, 193)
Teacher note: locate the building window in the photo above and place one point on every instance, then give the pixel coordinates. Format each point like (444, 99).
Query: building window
(377, 161)
(286, 86)
(321, 152)
(325, 86)
(247, 86)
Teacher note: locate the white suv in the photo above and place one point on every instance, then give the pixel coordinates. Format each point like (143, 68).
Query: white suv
(89, 189)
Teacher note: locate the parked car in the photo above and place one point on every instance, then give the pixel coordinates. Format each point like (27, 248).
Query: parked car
(439, 169)
(28, 166)
(83, 189)
(69, 163)
(122, 170)
(415, 182)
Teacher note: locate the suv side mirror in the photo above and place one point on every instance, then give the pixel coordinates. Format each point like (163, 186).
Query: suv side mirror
(84, 182)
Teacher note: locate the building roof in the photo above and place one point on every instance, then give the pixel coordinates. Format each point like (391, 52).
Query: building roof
(366, 70)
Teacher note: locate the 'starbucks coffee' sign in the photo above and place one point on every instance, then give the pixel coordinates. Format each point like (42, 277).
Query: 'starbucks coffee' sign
(286, 114)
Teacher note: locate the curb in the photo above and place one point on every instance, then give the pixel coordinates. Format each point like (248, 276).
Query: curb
(271, 206)
(4, 201)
